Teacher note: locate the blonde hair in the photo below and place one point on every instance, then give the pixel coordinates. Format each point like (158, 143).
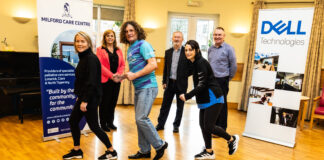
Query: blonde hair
(104, 43)
(85, 36)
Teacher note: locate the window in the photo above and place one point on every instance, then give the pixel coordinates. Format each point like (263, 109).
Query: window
(197, 27)
(104, 18)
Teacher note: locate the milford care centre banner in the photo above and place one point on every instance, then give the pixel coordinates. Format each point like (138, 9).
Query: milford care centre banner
(279, 66)
(58, 22)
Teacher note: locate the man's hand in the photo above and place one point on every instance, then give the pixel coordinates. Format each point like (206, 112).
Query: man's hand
(182, 97)
(83, 106)
(130, 76)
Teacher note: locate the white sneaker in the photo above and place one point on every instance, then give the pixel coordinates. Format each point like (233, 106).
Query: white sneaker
(205, 155)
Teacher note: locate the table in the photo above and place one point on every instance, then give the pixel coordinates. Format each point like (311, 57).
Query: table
(302, 111)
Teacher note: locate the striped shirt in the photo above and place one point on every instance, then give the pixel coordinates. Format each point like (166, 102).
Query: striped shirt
(137, 55)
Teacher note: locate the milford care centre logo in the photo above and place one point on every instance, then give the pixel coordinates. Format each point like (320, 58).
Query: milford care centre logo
(66, 12)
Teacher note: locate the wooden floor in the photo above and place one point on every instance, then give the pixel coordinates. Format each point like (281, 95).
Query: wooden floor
(24, 141)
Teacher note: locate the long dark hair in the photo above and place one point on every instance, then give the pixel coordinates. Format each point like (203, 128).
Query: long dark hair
(194, 45)
(141, 35)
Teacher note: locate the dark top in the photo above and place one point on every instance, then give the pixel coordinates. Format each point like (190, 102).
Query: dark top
(184, 69)
(113, 60)
(87, 84)
(204, 79)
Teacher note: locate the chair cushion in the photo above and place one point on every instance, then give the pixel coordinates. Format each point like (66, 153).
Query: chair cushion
(321, 102)
(319, 110)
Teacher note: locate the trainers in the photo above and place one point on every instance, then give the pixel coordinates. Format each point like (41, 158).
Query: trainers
(160, 152)
(215, 136)
(112, 126)
(139, 155)
(108, 155)
(159, 127)
(74, 154)
(175, 129)
(106, 129)
(233, 145)
(205, 155)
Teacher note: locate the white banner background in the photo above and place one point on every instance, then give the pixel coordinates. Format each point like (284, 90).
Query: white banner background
(291, 47)
(58, 21)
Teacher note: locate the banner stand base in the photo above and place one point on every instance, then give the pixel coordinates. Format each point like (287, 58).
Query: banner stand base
(287, 144)
(58, 137)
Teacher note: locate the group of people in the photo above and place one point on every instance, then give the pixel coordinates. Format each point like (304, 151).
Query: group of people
(98, 80)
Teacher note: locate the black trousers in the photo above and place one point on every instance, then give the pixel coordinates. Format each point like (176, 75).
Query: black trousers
(108, 103)
(207, 119)
(222, 119)
(168, 95)
(91, 116)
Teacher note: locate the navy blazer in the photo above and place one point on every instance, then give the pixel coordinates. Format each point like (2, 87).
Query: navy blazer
(184, 69)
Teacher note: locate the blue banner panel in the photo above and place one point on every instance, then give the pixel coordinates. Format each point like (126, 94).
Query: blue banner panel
(57, 86)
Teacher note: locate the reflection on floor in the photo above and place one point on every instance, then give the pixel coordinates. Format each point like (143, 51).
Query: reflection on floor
(24, 141)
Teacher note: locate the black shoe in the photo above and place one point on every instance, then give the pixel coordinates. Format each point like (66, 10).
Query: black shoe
(215, 136)
(139, 155)
(105, 129)
(205, 155)
(175, 129)
(108, 155)
(159, 127)
(112, 126)
(74, 154)
(233, 145)
(160, 152)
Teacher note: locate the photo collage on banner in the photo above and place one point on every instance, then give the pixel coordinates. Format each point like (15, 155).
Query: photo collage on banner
(278, 71)
(58, 22)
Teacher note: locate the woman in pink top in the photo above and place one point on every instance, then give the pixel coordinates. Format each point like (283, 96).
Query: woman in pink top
(112, 68)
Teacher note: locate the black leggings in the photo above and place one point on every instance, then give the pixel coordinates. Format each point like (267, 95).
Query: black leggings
(108, 103)
(207, 120)
(91, 116)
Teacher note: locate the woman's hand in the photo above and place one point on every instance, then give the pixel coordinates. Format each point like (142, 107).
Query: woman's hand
(182, 97)
(83, 106)
(116, 78)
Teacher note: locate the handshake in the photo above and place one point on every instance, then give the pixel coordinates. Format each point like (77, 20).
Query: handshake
(119, 77)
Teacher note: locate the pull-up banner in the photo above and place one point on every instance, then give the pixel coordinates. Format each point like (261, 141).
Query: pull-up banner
(279, 66)
(58, 22)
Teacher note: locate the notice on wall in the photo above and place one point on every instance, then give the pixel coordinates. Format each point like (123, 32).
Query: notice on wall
(279, 66)
(58, 22)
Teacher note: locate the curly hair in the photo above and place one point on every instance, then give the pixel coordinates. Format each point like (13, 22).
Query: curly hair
(141, 35)
(104, 43)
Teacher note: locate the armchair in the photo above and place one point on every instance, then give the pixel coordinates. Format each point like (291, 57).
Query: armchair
(317, 110)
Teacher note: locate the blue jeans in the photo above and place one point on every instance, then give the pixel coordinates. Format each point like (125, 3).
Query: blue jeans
(147, 134)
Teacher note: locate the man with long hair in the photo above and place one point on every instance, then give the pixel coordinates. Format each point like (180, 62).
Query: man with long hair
(142, 63)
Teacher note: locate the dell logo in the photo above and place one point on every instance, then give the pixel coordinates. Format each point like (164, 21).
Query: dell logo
(281, 27)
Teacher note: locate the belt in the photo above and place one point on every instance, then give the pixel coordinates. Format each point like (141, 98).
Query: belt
(172, 80)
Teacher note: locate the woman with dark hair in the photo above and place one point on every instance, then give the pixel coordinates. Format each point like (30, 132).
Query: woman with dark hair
(87, 88)
(210, 101)
(112, 67)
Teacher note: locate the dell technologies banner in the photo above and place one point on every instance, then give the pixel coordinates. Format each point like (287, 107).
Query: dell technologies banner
(58, 22)
(279, 66)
